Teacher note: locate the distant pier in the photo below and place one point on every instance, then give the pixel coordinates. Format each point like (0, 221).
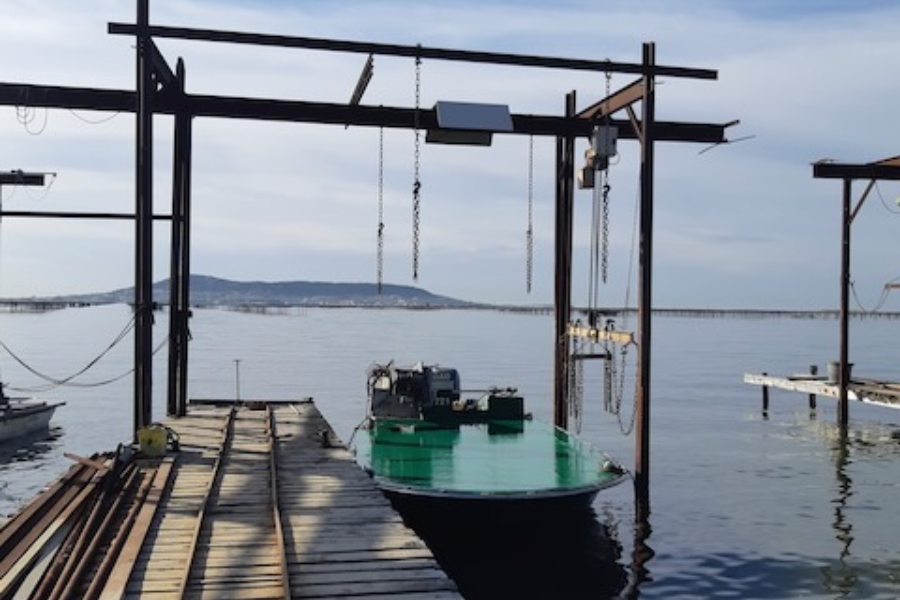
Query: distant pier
(258, 501)
(870, 391)
(704, 313)
(38, 306)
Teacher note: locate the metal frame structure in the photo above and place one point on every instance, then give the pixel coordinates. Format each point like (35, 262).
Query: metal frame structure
(887, 169)
(160, 90)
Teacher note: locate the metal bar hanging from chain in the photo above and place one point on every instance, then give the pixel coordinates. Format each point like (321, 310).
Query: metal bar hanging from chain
(529, 233)
(380, 250)
(604, 218)
(417, 184)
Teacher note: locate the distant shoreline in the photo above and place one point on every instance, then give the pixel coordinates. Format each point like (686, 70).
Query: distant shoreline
(38, 306)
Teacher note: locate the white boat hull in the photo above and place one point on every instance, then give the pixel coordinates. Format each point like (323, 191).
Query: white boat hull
(24, 418)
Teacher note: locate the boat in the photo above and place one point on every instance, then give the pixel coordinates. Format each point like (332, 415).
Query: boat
(424, 442)
(21, 417)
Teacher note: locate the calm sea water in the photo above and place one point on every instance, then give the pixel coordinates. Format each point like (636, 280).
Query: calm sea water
(743, 505)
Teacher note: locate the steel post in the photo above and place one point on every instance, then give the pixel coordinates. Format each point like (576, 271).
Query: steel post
(844, 367)
(645, 307)
(143, 285)
(565, 195)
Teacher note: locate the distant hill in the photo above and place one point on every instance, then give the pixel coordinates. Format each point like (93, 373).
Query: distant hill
(213, 291)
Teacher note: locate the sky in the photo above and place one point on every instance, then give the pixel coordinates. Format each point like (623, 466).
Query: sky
(737, 225)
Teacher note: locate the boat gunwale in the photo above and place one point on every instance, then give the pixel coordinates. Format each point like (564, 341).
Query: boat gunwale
(511, 496)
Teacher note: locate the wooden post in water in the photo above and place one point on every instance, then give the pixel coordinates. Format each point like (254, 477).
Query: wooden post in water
(765, 396)
(813, 370)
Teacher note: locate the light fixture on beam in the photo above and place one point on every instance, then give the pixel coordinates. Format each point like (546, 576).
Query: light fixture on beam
(467, 123)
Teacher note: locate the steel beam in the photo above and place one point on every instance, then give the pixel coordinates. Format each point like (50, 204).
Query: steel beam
(99, 216)
(418, 51)
(18, 94)
(887, 170)
(615, 102)
(21, 178)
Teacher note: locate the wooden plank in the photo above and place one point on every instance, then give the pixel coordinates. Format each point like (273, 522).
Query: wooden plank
(121, 573)
(380, 575)
(342, 537)
(372, 588)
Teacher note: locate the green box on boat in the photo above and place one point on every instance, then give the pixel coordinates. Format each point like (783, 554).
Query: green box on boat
(506, 406)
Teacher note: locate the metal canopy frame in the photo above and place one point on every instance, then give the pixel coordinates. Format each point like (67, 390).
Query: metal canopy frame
(161, 90)
(887, 169)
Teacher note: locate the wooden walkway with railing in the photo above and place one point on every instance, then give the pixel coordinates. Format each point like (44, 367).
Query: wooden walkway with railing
(258, 502)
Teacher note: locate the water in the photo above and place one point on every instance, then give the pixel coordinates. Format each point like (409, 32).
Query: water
(743, 505)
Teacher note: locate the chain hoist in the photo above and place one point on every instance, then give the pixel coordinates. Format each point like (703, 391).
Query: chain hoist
(417, 184)
(380, 207)
(529, 233)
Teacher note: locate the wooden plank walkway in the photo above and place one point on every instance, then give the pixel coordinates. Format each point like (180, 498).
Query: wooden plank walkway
(869, 391)
(219, 530)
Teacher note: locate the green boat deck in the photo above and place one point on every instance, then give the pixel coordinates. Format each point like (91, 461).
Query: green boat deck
(497, 459)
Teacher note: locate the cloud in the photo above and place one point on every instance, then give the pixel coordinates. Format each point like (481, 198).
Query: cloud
(299, 201)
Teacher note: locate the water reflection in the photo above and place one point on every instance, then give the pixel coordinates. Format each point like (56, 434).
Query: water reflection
(843, 578)
(30, 447)
(502, 553)
(848, 576)
(641, 553)
(20, 462)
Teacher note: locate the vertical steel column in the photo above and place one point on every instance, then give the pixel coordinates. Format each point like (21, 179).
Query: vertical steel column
(844, 367)
(179, 277)
(565, 194)
(143, 284)
(184, 299)
(645, 281)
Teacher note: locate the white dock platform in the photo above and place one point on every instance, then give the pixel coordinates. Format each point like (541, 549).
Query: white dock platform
(869, 391)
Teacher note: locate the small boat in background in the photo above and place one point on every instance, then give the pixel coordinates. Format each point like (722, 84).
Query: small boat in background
(424, 443)
(20, 417)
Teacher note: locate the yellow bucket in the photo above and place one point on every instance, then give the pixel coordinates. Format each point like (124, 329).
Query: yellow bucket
(152, 441)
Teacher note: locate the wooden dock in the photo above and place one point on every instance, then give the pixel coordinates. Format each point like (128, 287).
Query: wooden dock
(258, 502)
(869, 391)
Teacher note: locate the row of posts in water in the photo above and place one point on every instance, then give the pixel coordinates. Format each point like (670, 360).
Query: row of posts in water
(37, 306)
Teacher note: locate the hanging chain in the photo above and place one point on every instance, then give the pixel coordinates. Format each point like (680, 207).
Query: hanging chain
(593, 277)
(576, 387)
(417, 184)
(529, 233)
(380, 207)
(620, 394)
(609, 370)
(604, 250)
(604, 224)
